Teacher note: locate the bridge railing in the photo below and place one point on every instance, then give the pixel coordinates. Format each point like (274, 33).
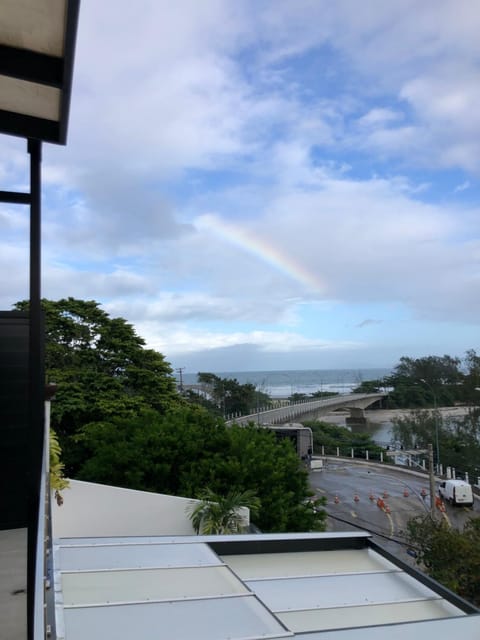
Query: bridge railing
(291, 411)
(376, 454)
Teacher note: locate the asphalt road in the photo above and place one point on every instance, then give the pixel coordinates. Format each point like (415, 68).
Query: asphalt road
(340, 481)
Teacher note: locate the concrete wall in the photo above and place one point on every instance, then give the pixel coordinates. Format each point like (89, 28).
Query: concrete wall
(99, 510)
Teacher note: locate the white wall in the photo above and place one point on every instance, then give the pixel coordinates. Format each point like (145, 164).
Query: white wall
(99, 510)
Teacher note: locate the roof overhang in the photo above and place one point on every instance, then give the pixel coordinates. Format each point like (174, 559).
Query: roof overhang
(37, 45)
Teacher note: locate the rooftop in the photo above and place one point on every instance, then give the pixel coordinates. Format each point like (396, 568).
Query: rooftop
(308, 586)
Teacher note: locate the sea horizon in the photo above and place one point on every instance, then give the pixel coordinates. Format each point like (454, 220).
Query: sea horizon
(286, 382)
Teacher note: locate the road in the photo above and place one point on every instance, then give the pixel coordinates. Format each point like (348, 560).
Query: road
(341, 481)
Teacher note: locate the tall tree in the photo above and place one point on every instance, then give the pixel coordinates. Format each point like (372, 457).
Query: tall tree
(101, 367)
(425, 382)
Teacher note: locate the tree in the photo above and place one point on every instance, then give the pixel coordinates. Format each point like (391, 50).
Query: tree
(330, 436)
(472, 377)
(101, 367)
(459, 437)
(324, 394)
(217, 514)
(187, 449)
(435, 370)
(417, 429)
(369, 386)
(448, 555)
(298, 397)
(425, 382)
(230, 397)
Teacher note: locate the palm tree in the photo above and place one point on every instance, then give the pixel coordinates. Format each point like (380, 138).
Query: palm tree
(216, 514)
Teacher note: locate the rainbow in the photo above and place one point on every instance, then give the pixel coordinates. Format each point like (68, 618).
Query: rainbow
(242, 238)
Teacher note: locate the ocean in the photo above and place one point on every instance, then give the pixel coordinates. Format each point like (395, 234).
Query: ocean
(282, 384)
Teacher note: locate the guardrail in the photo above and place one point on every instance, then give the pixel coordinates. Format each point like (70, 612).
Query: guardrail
(397, 457)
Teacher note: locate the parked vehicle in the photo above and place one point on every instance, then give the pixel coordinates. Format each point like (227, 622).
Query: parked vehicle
(456, 492)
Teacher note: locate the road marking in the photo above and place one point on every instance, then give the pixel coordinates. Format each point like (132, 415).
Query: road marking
(392, 527)
(320, 490)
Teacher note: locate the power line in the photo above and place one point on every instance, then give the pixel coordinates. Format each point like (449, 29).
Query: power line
(372, 531)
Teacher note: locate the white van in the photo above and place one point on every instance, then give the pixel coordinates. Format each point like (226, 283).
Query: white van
(456, 492)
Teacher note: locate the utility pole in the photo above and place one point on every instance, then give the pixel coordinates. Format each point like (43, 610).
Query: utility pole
(435, 414)
(432, 481)
(180, 371)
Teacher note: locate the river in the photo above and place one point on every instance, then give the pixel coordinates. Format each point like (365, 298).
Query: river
(379, 422)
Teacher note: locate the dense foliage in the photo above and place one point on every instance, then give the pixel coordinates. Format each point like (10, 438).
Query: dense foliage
(434, 381)
(120, 421)
(227, 397)
(187, 449)
(449, 556)
(101, 368)
(458, 437)
(330, 436)
(370, 386)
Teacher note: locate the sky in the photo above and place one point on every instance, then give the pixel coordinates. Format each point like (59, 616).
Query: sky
(266, 184)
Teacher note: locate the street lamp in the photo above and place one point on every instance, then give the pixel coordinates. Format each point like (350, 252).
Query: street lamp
(435, 413)
(37, 45)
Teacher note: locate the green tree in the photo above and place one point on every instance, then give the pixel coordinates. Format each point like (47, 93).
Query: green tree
(459, 437)
(435, 370)
(217, 514)
(187, 449)
(229, 396)
(425, 382)
(448, 555)
(298, 397)
(330, 436)
(369, 386)
(101, 367)
(471, 383)
(418, 428)
(324, 394)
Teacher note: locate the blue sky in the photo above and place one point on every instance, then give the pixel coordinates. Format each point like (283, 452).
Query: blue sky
(276, 184)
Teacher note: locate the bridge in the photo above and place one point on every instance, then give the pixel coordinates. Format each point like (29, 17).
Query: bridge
(356, 403)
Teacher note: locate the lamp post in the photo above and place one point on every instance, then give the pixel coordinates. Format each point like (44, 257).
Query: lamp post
(435, 413)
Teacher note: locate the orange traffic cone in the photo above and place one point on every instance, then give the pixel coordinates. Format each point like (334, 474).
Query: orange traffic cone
(336, 500)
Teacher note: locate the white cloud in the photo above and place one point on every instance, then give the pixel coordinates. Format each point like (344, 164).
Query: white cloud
(261, 113)
(378, 117)
(186, 342)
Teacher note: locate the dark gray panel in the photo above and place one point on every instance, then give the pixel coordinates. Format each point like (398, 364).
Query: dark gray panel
(14, 339)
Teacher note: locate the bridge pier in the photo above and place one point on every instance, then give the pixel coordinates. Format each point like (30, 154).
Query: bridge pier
(356, 417)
